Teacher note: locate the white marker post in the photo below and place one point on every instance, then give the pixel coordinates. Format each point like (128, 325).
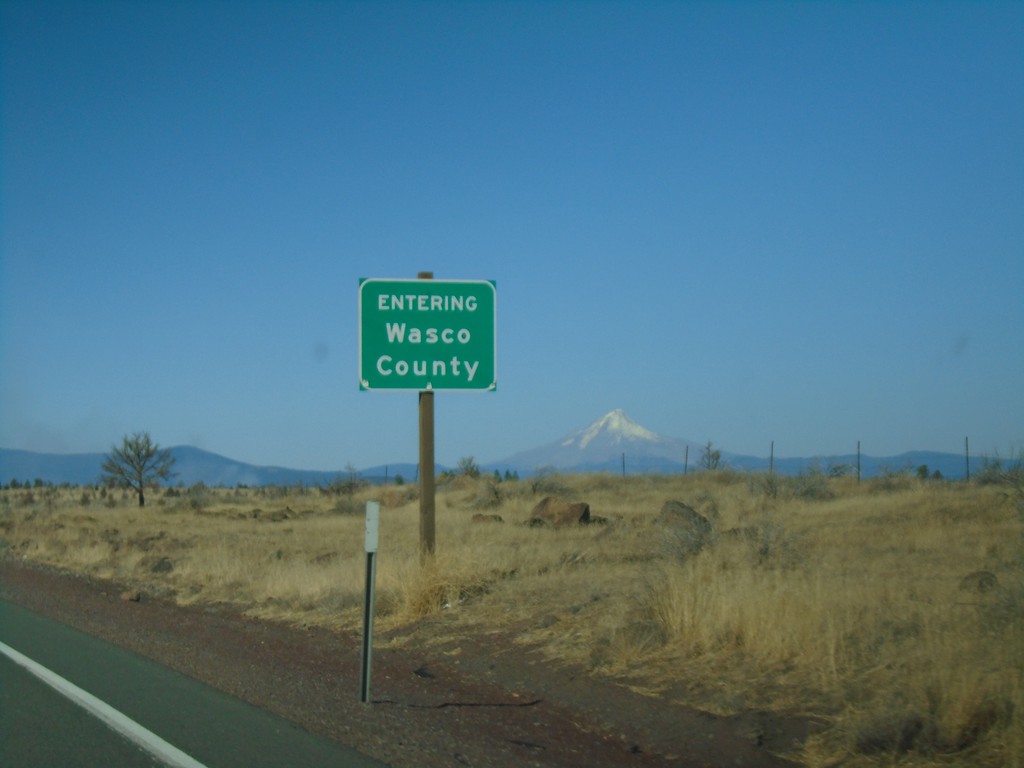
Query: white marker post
(372, 540)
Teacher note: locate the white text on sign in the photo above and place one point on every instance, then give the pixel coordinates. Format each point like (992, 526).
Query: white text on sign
(386, 365)
(424, 303)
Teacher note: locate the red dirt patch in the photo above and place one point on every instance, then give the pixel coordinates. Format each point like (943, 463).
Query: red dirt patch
(491, 703)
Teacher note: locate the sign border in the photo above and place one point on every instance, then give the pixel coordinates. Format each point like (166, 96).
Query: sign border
(364, 384)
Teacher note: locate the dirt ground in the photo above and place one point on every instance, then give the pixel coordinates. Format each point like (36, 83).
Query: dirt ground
(475, 701)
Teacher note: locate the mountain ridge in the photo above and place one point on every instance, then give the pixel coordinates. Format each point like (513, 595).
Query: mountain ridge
(191, 465)
(613, 443)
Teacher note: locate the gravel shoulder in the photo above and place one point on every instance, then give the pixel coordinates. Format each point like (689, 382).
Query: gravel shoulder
(477, 701)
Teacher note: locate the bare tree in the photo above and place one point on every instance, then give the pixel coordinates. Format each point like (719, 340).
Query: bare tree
(137, 463)
(468, 467)
(710, 457)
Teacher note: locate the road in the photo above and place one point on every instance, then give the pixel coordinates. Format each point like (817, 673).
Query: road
(41, 727)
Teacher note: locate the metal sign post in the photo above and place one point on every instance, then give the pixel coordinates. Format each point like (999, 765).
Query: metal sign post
(372, 539)
(427, 490)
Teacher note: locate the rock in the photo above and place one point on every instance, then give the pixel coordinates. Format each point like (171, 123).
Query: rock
(749, 533)
(274, 516)
(423, 672)
(979, 581)
(677, 513)
(163, 565)
(559, 513)
(687, 530)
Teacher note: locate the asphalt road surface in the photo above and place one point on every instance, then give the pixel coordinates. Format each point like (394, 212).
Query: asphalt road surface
(40, 726)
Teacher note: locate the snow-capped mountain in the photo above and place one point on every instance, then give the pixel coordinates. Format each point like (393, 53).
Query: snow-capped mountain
(603, 444)
(616, 443)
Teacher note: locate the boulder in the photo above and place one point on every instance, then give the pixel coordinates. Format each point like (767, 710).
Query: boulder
(676, 513)
(163, 565)
(687, 530)
(979, 581)
(482, 518)
(559, 513)
(747, 533)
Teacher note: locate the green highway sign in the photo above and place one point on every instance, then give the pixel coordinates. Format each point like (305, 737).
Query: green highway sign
(427, 334)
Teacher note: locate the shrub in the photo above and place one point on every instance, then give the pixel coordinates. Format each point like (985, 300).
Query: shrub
(347, 486)
(197, 496)
(546, 482)
(995, 471)
(893, 480)
(468, 467)
(811, 484)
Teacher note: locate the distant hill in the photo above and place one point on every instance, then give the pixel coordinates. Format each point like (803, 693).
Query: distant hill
(28, 466)
(951, 465)
(191, 466)
(612, 443)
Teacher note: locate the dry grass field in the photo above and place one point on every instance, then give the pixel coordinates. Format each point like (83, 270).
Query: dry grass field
(892, 609)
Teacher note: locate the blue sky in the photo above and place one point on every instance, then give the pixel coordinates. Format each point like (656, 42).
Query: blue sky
(738, 222)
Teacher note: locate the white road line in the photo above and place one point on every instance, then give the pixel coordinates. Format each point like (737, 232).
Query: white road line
(127, 727)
